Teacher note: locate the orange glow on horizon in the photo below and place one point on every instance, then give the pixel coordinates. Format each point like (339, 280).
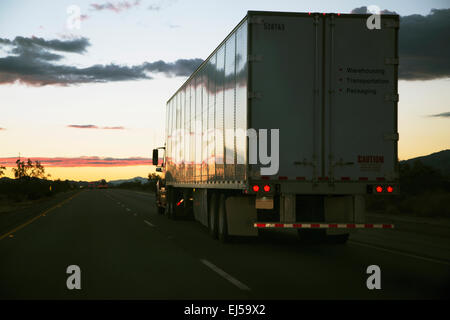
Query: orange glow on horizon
(94, 173)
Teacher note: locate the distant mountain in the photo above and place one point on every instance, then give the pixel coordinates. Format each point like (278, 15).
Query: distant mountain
(439, 160)
(135, 179)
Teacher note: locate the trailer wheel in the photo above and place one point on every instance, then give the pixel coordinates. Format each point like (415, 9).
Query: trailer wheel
(212, 216)
(222, 225)
(188, 210)
(170, 210)
(159, 209)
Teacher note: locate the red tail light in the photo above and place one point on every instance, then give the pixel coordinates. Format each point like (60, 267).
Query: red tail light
(390, 189)
(255, 188)
(266, 188)
(379, 189)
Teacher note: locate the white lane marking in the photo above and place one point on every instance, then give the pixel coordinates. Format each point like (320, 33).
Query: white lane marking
(151, 225)
(399, 252)
(225, 275)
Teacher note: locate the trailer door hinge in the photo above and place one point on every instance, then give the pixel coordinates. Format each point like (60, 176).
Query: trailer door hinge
(255, 58)
(392, 97)
(332, 21)
(256, 20)
(253, 95)
(391, 61)
(316, 19)
(391, 136)
(389, 23)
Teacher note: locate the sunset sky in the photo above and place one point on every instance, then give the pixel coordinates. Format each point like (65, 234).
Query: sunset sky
(94, 97)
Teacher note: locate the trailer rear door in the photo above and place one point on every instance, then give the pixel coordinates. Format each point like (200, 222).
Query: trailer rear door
(360, 118)
(286, 72)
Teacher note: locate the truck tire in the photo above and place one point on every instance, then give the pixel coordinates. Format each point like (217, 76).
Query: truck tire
(159, 209)
(170, 210)
(188, 210)
(212, 216)
(222, 223)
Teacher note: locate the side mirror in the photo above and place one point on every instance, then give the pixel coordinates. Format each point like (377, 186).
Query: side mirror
(155, 157)
(158, 169)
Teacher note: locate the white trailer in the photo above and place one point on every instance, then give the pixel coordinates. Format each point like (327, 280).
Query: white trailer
(328, 84)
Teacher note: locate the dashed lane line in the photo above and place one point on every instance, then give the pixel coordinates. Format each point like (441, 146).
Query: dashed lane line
(149, 223)
(225, 275)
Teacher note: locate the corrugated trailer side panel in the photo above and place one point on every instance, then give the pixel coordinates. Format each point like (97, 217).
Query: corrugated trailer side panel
(241, 114)
(219, 140)
(207, 119)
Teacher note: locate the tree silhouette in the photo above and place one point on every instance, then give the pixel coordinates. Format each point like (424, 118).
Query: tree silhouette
(38, 171)
(28, 170)
(153, 177)
(2, 169)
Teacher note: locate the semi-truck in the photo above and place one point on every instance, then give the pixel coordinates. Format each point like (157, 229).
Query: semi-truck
(290, 123)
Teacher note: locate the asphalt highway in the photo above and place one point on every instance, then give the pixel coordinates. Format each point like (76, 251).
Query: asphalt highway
(125, 250)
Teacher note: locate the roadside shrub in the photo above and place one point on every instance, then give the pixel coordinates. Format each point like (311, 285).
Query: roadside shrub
(424, 191)
(31, 188)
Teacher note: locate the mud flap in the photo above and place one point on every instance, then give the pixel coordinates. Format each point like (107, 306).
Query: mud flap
(241, 215)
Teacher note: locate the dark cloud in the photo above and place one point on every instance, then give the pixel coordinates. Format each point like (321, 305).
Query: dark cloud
(181, 67)
(424, 48)
(115, 6)
(364, 10)
(441, 115)
(78, 45)
(360, 10)
(31, 60)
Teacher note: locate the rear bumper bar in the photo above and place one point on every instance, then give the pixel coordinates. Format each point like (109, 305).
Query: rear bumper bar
(309, 225)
